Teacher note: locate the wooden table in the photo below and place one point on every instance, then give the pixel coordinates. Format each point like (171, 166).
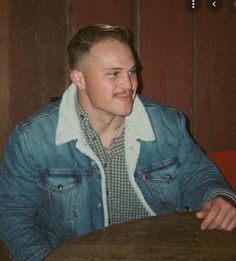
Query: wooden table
(172, 238)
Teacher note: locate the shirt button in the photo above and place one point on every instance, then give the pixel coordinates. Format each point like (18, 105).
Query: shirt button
(99, 205)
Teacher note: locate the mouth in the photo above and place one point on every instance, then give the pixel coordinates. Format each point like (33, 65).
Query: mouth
(125, 96)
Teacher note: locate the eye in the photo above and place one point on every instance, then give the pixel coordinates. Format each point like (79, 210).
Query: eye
(133, 72)
(113, 73)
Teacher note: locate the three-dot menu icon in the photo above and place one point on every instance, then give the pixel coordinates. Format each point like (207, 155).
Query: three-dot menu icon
(193, 5)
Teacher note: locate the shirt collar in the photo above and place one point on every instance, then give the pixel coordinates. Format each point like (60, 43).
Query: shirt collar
(69, 126)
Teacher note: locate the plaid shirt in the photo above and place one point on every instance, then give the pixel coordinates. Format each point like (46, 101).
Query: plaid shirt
(123, 204)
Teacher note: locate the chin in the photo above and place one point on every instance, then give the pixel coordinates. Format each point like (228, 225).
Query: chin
(125, 113)
(122, 110)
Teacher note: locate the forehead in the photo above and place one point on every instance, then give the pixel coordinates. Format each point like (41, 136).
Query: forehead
(109, 52)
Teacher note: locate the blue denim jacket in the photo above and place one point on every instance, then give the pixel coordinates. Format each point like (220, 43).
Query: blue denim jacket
(53, 185)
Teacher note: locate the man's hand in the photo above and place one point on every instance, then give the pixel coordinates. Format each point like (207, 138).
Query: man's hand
(218, 213)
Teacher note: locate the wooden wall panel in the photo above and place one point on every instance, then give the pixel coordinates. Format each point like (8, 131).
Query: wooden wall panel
(91, 12)
(38, 31)
(4, 76)
(166, 52)
(214, 84)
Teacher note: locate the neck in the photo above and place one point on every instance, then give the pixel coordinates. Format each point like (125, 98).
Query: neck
(106, 125)
(103, 125)
(107, 129)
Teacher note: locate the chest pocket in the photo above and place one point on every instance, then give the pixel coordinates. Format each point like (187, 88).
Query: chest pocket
(163, 172)
(160, 185)
(60, 180)
(62, 192)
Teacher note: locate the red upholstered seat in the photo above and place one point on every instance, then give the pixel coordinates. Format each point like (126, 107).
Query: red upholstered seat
(226, 162)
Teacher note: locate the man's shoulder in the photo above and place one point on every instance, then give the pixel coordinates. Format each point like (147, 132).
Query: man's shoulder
(149, 104)
(163, 115)
(46, 113)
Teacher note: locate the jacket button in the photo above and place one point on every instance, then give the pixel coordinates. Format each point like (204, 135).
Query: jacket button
(93, 163)
(60, 187)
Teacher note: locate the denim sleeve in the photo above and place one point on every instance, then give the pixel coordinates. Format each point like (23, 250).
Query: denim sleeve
(200, 180)
(19, 200)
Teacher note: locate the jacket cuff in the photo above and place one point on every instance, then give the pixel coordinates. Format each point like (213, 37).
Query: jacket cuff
(199, 198)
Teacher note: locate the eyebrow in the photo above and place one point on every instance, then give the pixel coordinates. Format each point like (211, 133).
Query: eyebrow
(120, 68)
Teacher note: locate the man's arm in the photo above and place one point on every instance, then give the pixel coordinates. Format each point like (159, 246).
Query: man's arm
(204, 189)
(20, 198)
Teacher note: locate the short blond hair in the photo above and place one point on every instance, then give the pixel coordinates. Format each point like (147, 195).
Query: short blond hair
(81, 44)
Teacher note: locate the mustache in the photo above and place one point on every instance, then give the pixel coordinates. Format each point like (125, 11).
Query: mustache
(124, 93)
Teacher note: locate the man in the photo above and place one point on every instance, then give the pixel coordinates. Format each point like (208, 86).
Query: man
(103, 155)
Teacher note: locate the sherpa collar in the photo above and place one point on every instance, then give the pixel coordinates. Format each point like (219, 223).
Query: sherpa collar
(69, 127)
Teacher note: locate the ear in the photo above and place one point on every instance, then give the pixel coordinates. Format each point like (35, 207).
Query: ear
(77, 78)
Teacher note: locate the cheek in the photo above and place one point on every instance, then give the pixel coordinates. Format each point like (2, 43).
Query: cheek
(135, 82)
(99, 94)
(100, 89)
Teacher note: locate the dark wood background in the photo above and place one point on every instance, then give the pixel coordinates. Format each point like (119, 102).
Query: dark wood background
(188, 58)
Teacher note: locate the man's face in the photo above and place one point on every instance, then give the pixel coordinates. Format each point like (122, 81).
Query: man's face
(110, 80)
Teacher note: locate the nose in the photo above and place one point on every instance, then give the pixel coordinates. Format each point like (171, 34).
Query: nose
(128, 81)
